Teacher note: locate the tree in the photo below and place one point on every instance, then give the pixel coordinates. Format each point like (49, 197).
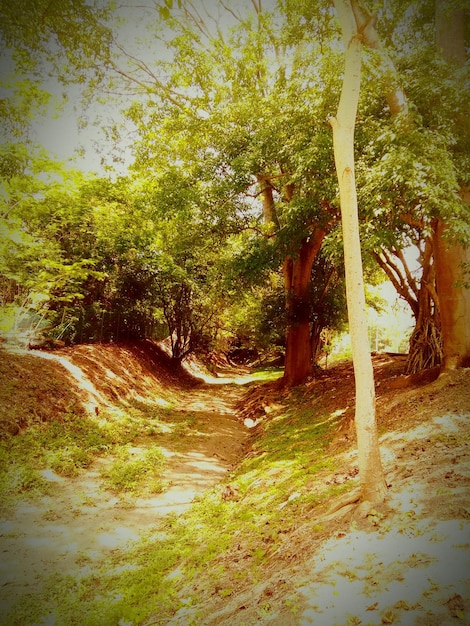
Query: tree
(251, 107)
(162, 263)
(452, 256)
(409, 174)
(242, 109)
(45, 254)
(373, 487)
(248, 125)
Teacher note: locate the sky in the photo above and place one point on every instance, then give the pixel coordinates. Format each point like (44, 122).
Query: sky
(60, 133)
(57, 130)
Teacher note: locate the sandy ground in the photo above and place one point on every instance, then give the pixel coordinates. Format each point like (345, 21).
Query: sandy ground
(407, 564)
(413, 567)
(82, 522)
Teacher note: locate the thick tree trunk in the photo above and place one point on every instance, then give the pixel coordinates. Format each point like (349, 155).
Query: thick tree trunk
(454, 299)
(297, 274)
(450, 257)
(297, 270)
(371, 475)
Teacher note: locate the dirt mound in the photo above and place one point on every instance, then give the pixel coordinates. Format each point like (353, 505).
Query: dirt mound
(39, 386)
(34, 390)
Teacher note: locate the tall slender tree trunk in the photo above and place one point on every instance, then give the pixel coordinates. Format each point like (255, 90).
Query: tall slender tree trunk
(451, 257)
(297, 275)
(371, 476)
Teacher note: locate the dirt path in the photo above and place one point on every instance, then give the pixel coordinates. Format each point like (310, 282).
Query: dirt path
(82, 522)
(408, 564)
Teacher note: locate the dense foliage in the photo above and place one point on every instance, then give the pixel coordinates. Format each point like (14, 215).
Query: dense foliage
(232, 171)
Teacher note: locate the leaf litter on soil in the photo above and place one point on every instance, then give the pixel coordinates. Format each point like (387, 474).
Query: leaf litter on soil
(275, 557)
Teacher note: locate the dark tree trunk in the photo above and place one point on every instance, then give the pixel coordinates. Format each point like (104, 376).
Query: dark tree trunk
(425, 342)
(297, 272)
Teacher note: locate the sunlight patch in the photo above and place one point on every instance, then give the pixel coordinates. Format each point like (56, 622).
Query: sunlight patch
(399, 576)
(51, 476)
(118, 538)
(161, 402)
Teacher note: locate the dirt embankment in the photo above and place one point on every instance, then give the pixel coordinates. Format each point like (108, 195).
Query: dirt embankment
(82, 378)
(415, 553)
(201, 440)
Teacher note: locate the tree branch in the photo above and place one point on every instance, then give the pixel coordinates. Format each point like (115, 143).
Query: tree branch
(409, 277)
(365, 22)
(397, 280)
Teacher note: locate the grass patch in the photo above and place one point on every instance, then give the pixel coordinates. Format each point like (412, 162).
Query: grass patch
(70, 444)
(66, 447)
(214, 548)
(136, 475)
(266, 374)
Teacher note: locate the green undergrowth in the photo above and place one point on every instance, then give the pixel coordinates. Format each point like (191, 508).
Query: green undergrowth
(136, 475)
(70, 444)
(223, 542)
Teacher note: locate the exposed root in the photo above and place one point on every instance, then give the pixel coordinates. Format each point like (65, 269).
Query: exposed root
(352, 503)
(347, 500)
(423, 377)
(258, 402)
(425, 347)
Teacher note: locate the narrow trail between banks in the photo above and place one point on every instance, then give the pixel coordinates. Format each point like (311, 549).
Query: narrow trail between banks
(80, 522)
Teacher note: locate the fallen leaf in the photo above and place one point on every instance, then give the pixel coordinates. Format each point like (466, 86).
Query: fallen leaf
(388, 618)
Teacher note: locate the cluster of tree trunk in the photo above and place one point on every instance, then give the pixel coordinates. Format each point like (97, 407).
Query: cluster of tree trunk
(440, 300)
(441, 303)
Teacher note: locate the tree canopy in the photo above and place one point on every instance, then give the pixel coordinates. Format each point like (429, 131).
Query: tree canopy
(232, 193)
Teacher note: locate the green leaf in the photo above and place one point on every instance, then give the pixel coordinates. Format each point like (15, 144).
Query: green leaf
(164, 13)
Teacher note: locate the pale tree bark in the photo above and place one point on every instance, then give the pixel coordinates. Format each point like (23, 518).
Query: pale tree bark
(371, 476)
(269, 208)
(365, 25)
(451, 257)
